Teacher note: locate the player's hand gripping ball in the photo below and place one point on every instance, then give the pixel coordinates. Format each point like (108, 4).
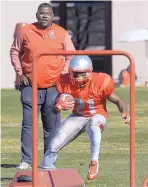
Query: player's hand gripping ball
(65, 102)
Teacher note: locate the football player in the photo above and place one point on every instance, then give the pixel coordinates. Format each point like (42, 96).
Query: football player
(91, 91)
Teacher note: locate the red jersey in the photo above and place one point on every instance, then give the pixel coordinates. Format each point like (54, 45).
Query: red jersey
(91, 99)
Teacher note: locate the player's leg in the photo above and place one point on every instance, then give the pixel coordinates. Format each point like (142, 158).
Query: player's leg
(49, 118)
(94, 127)
(63, 135)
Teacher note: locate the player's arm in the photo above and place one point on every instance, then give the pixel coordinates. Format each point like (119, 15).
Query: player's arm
(115, 99)
(64, 101)
(122, 107)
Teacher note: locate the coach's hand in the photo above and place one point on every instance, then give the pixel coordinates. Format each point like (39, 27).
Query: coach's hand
(126, 117)
(21, 80)
(24, 80)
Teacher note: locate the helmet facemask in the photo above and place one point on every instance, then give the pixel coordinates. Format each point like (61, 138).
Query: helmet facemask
(80, 78)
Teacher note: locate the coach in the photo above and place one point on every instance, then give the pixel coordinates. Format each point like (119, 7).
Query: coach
(28, 39)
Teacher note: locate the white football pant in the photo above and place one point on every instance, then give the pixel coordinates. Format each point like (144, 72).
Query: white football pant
(71, 128)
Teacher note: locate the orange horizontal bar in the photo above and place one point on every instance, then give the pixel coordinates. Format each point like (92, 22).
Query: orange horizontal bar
(47, 51)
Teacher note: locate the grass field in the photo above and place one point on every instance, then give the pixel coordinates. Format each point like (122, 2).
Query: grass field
(114, 157)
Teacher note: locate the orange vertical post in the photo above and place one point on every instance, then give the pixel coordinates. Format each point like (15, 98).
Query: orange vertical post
(132, 103)
(132, 125)
(34, 129)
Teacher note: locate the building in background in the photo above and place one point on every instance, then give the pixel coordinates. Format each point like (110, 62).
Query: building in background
(92, 24)
(89, 23)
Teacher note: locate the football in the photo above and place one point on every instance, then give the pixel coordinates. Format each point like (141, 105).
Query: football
(65, 102)
(67, 97)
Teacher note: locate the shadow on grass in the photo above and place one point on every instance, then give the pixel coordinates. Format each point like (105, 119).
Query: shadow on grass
(6, 179)
(8, 165)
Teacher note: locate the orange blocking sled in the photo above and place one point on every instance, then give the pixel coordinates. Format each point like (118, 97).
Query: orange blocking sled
(66, 177)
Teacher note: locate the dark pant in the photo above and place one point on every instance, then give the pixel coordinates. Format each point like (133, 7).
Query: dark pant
(46, 101)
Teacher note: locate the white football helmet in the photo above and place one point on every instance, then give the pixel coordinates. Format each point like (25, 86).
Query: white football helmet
(80, 70)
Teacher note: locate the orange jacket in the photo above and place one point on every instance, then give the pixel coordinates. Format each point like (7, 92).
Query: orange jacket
(28, 39)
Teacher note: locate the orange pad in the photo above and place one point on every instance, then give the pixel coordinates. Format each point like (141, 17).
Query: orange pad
(66, 177)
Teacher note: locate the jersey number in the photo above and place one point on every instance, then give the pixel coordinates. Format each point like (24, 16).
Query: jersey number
(81, 104)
